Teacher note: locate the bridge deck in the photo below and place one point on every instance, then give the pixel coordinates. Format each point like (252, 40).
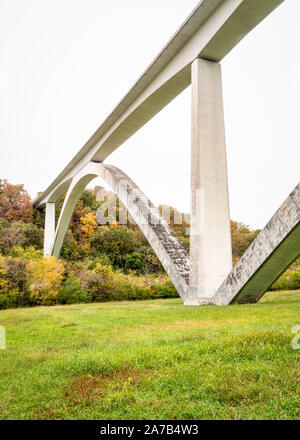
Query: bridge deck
(210, 32)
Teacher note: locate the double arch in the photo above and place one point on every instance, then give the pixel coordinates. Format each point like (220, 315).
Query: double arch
(167, 246)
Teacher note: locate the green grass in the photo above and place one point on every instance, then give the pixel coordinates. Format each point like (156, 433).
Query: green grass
(152, 360)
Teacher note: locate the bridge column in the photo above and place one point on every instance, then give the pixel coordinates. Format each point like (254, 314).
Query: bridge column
(210, 247)
(49, 233)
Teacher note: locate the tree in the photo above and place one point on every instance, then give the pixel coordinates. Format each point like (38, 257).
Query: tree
(116, 242)
(45, 280)
(15, 202)
(88, 224)
(10, 237)
(242, 237)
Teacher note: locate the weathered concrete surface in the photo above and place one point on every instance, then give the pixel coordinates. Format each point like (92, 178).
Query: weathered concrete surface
(210, 32)
(49, 232)
(169, 249)
(273, 251)
(210, 241)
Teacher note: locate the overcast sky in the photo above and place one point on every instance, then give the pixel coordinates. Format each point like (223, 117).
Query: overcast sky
(64, 65)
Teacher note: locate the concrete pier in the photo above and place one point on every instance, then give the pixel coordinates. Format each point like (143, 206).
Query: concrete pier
(49, 232)
(210, 247)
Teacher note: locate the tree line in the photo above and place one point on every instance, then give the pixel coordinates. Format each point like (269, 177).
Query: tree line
(98, 262)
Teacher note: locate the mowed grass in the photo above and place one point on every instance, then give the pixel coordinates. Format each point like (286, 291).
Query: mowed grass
(152, 360)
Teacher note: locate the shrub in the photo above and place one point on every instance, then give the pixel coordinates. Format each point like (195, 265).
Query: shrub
(102, 259)
(69, 250)
(3, 280)
(99, 282)
(290, 280)
(116, 242)
(72, 292)
(46, 277)
(16, 272)
(4, 301)
(29, 253)
(151, 262)
(33, 234)
(134, 262)
(4, 223)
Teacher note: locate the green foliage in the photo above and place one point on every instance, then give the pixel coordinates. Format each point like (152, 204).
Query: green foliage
(290, 280)
(29, 253)
(4, 223)
(20, 234)
(70, 249)
(72, 292)
(116, 242)
(4, 301)
(88, 199)
(102, 260)
(134, 262)
(33, 235)
(151, 263)
(242, 237)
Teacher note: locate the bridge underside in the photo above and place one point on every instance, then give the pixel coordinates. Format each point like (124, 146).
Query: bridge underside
(273, 251)
(191, 57)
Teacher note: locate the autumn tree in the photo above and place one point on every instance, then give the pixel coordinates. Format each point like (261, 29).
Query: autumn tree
(88, 224)
(242, 236)
(15, 203)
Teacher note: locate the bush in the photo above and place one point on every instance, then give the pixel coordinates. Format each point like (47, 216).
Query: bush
(290, 280)
(72, 292)
(29, 253)
(17, 276)
(33, 234)
(4, 301)
(151, 262)
(116, 242)
(134, 262)
(45, 281)
(98, 288)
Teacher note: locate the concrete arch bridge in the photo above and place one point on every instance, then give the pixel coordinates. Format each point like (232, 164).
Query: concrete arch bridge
(191, 57)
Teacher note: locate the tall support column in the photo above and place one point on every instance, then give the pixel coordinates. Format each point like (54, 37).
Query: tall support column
(49, 232)
(210, 247)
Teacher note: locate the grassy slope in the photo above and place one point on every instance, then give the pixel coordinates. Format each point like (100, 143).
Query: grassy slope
(152, 360)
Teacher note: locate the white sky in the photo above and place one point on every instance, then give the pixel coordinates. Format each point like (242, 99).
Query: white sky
(64, 65)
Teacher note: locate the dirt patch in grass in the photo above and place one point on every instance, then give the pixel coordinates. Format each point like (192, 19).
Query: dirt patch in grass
(69, 324)
(87, 389)
(46, 414)
(19, 320)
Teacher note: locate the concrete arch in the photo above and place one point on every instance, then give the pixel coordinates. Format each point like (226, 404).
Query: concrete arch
(71, 199)
(169, 249)
(275, 248)
(269, 255)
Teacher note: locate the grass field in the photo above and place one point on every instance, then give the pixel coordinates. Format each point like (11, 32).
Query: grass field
(152, 360)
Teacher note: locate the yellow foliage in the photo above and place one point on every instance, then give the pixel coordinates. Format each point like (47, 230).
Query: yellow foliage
(89, 224)
(3, 281)
(45, 279)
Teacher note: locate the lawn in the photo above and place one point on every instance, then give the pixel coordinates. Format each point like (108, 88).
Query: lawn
(152, 360)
